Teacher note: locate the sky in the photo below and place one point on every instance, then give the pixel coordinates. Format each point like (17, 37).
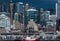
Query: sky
(46, 4)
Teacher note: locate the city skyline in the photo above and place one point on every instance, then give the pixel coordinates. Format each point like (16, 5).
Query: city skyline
(46, 4)
(32, 19)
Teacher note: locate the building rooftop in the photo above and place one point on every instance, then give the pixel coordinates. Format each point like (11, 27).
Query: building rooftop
(7, 14)
(2, 15)
(52, 16)
(20, 2)
(26, 4)
(58, 0)
(31, 10)
(16, 13)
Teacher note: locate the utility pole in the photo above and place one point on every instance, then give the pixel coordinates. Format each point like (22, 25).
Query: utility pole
(11, 17)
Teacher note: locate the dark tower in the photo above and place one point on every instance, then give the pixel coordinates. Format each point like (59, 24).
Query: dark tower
(11, 8)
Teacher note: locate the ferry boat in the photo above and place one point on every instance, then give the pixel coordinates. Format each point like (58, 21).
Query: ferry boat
(29, 38)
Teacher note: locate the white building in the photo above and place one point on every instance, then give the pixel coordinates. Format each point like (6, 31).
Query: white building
(58, 9)
(53, 18)
(5, 21)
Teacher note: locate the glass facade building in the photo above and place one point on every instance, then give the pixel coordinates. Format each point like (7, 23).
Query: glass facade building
(58, 9)
(44, 17)
(19, 7)
(31, 14)
(20, 11)
(58, 14)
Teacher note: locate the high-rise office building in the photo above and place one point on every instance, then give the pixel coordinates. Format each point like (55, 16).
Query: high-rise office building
(11, 14)
(31, 14)
(58, 10)
(44, 16)
(27, 7)
(58, 14)
(19, 7)
(20, 10)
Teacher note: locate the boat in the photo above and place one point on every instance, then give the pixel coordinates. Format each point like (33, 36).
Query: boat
(29, 38)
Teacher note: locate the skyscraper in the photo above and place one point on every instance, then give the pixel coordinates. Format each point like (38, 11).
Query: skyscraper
(27, 7)
(44, 17)
(19, 7)
(31, 14)
(11, 8)
(58, 9)
(58, 14)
